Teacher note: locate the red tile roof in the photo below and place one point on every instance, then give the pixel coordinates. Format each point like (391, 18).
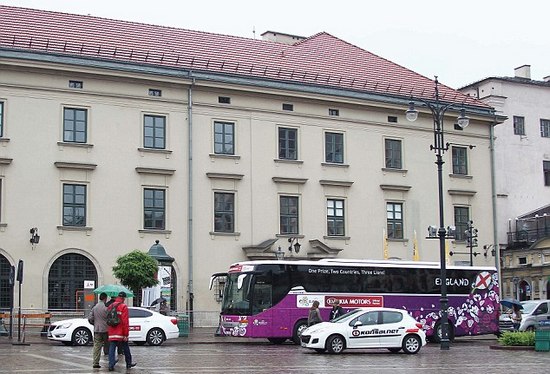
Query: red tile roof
(321, 60)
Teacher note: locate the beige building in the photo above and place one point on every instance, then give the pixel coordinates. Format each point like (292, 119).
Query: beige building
(117, 134)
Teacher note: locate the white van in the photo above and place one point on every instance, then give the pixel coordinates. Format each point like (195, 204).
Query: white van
(533, 312)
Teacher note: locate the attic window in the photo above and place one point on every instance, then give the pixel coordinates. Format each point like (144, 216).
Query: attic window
(392, 119)
(288, 107)
(333, 112)
(76, 84)
(154, 92)
(224, 100)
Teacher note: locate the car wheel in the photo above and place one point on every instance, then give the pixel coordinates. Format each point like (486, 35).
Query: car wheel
(530, 329)
(82, 336)
(155, 337)
(336, 344)
(277, 341)
(412, 344)
(394, 350)
(140, 343)
(299, 327)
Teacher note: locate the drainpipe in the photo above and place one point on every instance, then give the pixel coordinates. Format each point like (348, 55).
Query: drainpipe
(190, 294)
(494, 203)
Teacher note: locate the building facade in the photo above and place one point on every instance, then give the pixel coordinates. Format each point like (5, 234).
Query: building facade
(117, 134)
(522, 163)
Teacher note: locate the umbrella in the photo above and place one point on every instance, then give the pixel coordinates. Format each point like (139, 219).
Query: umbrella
(158, 301)
(113, 290)
(509, 303)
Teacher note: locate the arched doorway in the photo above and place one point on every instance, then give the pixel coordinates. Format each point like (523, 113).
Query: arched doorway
(66, 281)
(5, 289)
(524, 291)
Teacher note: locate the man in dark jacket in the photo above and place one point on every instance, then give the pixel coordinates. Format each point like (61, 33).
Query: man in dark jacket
(120, 333)
(336, 310)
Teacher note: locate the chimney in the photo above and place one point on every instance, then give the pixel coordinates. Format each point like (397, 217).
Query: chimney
(523, 71)
(283, 38)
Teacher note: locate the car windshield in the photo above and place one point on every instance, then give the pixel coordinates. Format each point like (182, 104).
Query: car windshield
(529, 306)
(345, 317)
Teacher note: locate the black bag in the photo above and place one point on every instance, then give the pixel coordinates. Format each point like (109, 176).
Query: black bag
(112, 316)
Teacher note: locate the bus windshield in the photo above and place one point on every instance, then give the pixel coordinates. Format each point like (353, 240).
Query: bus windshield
(237, 295)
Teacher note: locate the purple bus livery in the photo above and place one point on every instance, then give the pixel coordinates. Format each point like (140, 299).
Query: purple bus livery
(270, 299)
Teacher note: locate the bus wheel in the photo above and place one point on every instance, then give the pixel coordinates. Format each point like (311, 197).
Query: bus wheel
(276, 340)
(436, 337)
(299, 327)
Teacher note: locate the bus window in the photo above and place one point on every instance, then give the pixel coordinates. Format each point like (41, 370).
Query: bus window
(237, 297)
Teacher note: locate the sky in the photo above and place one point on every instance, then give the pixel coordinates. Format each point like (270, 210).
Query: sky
(459, 41)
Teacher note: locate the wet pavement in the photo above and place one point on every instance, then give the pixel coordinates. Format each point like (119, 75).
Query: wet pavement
(202, 352)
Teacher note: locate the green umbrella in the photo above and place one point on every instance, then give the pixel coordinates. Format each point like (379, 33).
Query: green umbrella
(113, 290)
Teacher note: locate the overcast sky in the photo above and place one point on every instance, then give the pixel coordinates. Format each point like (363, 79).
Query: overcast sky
(460, 41)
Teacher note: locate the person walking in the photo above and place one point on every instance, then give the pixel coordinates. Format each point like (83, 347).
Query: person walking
(98, 318)
(336, 310)
(515, 315)
(120, 333)
(314, 315)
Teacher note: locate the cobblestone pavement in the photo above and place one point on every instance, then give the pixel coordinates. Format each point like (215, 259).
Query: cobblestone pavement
(201, 352)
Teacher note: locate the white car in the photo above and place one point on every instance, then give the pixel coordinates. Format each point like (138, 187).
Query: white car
(389, 328)
(146, 326)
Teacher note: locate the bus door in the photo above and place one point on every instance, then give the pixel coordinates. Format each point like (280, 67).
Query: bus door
(262, 296)
(363, 331)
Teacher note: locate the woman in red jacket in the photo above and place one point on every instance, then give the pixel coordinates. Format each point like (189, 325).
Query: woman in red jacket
(120, 333)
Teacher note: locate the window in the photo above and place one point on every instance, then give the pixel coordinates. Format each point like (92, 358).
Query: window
(392, 119)
(519, 125)
(334, 112)
(289, 215)
(224, 100)
(224, 138)
(75, 125)
(522, 260)
(546, 171)
(224, 212)
(462, 217)
(288, 144)
(335, 217)
(460, 161)
(154, 206)
(154, 131)
(155, 92)
(1, 119)
(545, 128)
(334, 147)
(76, 84)
(288, 107)
(393, 154)
(395, 220)
(74, 205)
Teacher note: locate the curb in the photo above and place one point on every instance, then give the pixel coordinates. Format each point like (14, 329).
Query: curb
(512, 347)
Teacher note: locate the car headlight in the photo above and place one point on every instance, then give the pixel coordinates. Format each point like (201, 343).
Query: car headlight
(66, 325)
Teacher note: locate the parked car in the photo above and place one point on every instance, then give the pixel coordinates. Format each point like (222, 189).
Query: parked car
(146, 326)
(533, 312)
(389, 328)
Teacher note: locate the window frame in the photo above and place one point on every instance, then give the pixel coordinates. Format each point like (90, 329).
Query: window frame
(75, 131)
(393, 158)
(224, 144)
(151, 209)
(224, 213)
(74, 219)
(461, 215)
(460, 160)
(333, 141)
(546, 172)
(545, 128)
(519, 125)
(394, 220)
(2, 107)
(155, 137)
(287, 218)
(336, 223)
(285, 150)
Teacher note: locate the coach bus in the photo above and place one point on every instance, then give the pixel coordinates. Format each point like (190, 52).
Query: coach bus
(271, 298)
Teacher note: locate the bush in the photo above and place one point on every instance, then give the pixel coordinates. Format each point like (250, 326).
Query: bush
(523, 338)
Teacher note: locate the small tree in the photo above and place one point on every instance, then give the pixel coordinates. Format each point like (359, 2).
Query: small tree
(136, 270)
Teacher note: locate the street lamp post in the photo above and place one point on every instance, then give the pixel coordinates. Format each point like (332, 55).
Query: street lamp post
(439, 147)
